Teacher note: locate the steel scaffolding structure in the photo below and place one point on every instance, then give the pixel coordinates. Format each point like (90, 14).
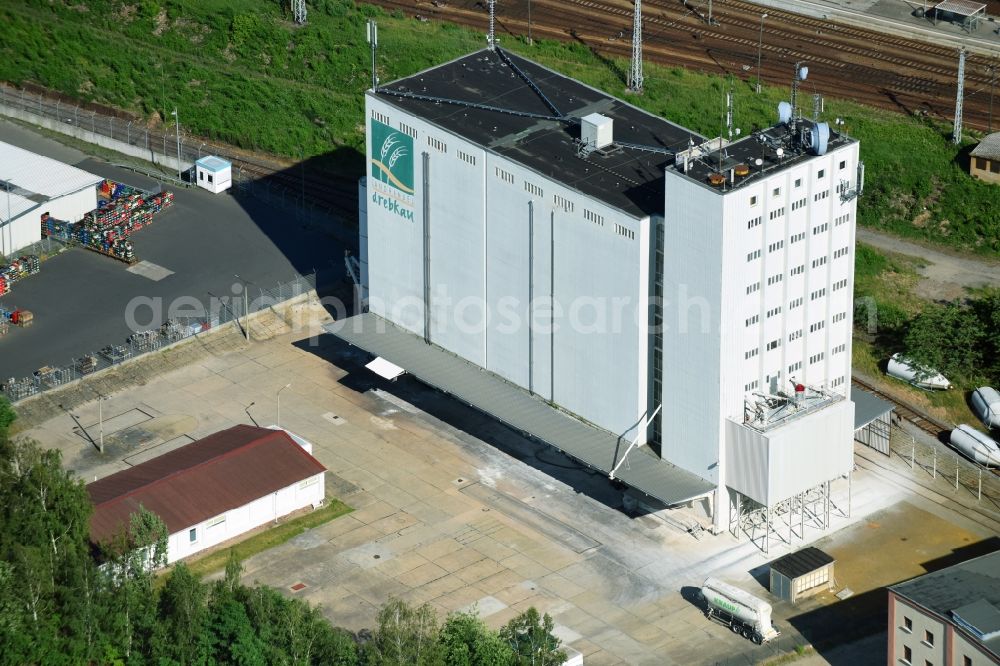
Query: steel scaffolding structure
(785, 520)
(635, 78)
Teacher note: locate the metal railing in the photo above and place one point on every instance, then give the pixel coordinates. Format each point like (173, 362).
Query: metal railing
(946, 466)
(143, 342)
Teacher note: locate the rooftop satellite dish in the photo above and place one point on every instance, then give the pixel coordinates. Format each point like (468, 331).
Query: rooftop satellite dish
(803, 73)
(738, 131)
(784, 112)
(758, 162)
(780, 152)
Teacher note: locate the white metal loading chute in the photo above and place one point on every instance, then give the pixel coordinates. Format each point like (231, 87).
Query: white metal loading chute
(385, 369)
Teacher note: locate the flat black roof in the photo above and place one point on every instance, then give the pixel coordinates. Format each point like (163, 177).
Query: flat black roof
(957, 590)
(544, 138)
(776, 148)
(801, 562)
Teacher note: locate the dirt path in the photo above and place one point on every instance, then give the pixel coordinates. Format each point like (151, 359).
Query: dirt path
(946, 275)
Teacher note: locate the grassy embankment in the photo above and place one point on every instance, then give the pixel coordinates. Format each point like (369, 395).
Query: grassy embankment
(239, 71)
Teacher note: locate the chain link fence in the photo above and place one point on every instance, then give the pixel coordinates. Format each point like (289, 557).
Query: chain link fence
(222, 311)
(173, 148)
(946, 466)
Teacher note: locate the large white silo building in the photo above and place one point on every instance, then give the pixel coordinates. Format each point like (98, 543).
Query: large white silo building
(673, 310)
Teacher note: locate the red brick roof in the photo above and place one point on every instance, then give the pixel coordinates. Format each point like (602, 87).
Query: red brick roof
(200, 480)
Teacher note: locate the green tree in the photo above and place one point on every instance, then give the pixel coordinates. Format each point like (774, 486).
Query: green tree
(530, 636)
(131, 558)
(948, 338)
(183, 613)
(405, 636)
(7, 416)
(467, 641)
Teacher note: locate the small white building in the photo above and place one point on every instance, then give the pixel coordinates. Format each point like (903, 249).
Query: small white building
(213, 489)
(214, 174)
(32, 185)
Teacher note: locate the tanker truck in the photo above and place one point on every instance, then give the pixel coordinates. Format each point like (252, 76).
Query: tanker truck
(744, 613)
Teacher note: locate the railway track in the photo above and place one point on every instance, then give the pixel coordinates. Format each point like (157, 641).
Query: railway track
(870, 67)
(925, 422)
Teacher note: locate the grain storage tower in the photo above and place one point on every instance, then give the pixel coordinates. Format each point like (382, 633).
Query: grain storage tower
(670, 310)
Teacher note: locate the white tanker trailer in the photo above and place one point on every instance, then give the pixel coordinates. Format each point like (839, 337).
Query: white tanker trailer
(976, 445)
(903, 368)
(744, 613)
(986, 404)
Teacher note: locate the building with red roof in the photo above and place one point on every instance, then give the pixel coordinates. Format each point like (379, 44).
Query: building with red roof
(212, 490)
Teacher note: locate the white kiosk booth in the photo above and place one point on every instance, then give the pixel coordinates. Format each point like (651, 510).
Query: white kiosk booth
(214, 173)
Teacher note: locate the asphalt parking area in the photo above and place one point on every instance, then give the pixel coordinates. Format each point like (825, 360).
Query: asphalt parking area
(80, 299)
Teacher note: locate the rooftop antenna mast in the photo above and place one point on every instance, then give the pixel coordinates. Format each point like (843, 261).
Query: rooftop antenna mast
(491, 39)
(729, 113)
(299, 11)
(635, 78)
(957, 133)
(373, 40)
(801, 73)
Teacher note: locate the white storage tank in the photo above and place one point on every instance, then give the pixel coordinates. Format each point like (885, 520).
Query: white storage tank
(744, 613)
(986, 404)
(903, 368)
(213, 174)
(976, 445)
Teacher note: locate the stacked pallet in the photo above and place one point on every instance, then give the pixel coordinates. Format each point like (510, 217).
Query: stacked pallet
(123, 210)
(17, 270)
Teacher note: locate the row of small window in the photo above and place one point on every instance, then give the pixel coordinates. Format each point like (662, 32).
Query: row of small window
(776, 213)
(754, 222)
(800, 203)
(842, 219)
(624, 231)
(798, 183)
(839, 381)
(842, 252)
(819, 196)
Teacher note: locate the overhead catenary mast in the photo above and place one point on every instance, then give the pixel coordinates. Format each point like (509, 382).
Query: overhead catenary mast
(635, 78)
(299, 11)
(957, 132)
(491, 38)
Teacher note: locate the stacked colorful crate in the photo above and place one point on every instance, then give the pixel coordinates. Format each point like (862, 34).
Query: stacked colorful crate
(18, 269)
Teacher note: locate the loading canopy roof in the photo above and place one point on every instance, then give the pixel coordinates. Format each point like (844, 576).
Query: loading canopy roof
(961, 7)
(516, 407)
(867, 407)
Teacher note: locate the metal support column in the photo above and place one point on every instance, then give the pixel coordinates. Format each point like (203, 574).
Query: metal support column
(960, 94)
(427, 244)
(531, 295)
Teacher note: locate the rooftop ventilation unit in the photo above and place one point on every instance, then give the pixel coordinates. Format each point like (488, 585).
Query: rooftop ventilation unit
(596, 131)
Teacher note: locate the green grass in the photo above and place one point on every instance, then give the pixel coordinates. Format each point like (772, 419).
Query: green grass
(240, 72)
(269, 538)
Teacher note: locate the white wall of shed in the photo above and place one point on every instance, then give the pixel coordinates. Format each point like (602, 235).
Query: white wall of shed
(245, 518)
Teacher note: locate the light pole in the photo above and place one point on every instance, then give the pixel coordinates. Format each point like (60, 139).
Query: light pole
(177, 128)
(529, 22)
(100, 418)
(246, 307)
(250, 416)
(10, 233)
(760, 42)
(277, 397)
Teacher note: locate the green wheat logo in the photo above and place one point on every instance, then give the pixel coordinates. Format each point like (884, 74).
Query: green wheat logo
(392, 157)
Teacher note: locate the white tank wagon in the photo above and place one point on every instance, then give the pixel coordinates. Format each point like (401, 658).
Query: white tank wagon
(903, 368)
(976, 445)
(744, 613)
(986, 404)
